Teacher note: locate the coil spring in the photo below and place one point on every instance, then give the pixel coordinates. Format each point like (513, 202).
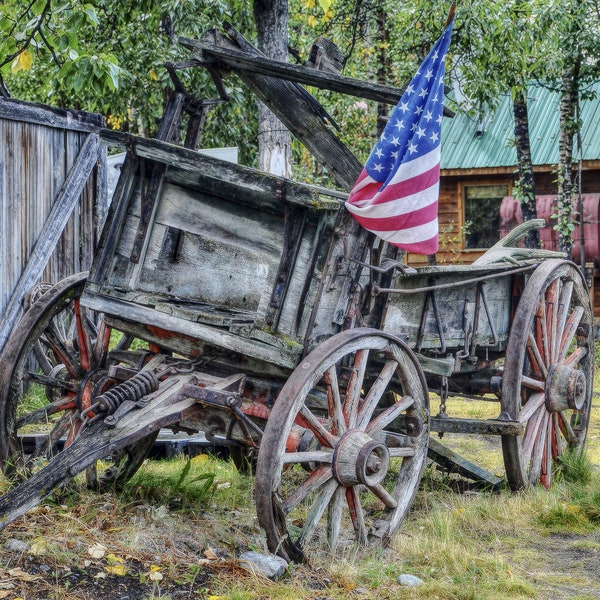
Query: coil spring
(134, 389)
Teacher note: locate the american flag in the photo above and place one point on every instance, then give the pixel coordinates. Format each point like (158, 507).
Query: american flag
(396, 195)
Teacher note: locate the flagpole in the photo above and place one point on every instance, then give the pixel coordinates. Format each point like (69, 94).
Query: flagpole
(451, 13)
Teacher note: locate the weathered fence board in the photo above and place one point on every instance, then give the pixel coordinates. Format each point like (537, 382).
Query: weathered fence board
(38, 147)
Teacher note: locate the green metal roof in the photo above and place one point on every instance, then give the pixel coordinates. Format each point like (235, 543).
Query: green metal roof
(469, 143)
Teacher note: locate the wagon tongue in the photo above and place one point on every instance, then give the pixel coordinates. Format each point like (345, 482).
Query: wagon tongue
(97, 441)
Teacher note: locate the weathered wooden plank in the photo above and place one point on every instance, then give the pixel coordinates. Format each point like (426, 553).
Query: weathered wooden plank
(51, 231)
(208, 172)
(240, 61)
(457, 464)
(475, 426)
(295, 108)
(41, 114)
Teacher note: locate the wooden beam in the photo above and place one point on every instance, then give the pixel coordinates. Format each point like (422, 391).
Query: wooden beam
(455, 463)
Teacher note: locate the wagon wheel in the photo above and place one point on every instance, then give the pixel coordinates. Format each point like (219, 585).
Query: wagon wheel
(52, 366)
(344, 447)
(548, 373)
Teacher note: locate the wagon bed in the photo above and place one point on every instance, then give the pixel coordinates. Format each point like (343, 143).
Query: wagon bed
(270, 321)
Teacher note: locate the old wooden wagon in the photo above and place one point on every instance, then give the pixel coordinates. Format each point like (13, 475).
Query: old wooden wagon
(252, 308)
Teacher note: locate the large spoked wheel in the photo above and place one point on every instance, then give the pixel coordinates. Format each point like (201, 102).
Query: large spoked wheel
(344, 448)
(53, 366)
(548, 373)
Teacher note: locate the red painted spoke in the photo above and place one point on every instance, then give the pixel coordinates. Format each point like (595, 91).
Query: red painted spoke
(41, 414)
(102, 343)
(531, 406)
(375, 393)
(546, 467)
(306, 418)
(83, 338)
(552, 295)
(564, 304)
(334, 402)
(541, 333)
(317, 509)
(354, 388)
(314, 480)
(565, 428)
(356, 514)
(570, 331)
(389, 414)
(535, 358)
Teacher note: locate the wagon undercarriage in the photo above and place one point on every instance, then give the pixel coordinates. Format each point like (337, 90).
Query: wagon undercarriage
(254, 310)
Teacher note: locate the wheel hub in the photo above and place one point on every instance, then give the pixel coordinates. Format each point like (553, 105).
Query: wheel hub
(565, 388)
(359, 459)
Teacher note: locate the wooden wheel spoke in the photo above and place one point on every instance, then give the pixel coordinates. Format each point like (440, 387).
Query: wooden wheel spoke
(334, 402)
(533, 384)
(320, 504)
(564, 303)
(308, 419)
(534, 403)
(535, 358)
(56, 343)
(334, 518)
(389, 414)
(356, 514)
(541, 333)
(314, 480)
(539, 448)
(41, 414)
(552, 302)
(574, 359)
(53, 382)
(46, 445)
(375, 393)
(83, 336)
(315, 456)
(566, 428)
(384, 496)
(355, 385)
(102, 343)
(569, 332)
(546, 467)
(532, 432)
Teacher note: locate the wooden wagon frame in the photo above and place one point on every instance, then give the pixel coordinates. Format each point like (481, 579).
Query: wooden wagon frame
(277, 326)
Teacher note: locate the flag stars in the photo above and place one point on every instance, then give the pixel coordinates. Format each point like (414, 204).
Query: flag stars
(395, 141)
(379, 153)
(428, 116)
(420, 132)
(399, 125)
(423, 93)
(403, 107)
(412, 148)
(434, 137)
(428, 75)
(418, 110)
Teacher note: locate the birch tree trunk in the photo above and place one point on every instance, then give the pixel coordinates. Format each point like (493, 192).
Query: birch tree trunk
(569, 97)
(274, 140)
(526, 181)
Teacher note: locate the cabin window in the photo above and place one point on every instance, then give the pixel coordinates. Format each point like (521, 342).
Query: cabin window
(482, 214)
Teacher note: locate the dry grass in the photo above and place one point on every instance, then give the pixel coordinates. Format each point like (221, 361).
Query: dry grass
(187, 522)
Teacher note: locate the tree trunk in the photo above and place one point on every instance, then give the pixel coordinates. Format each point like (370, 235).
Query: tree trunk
(274, 140)
(569, 98)
(526, 182)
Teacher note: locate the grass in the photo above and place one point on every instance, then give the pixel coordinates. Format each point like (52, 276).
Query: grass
(187, 519)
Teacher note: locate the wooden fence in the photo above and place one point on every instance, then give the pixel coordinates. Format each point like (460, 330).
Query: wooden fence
(52, 198)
